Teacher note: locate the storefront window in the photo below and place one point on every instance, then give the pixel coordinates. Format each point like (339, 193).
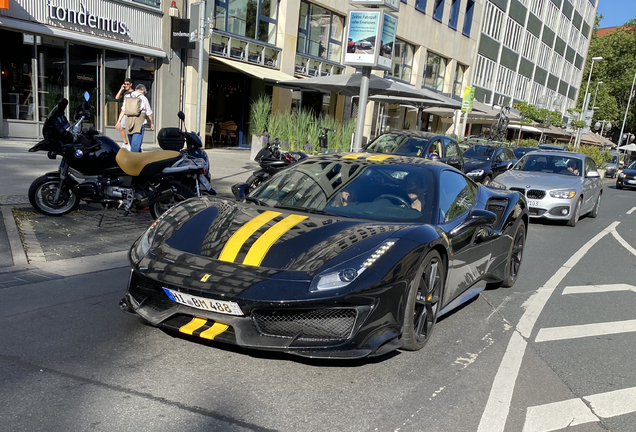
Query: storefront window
(320, 32)
(402, 61)
(17, 76)
(459, 79)
(142, 71)
(116, 70)
(435, 72)
(84, 77)
(242, 18)
(51, 56)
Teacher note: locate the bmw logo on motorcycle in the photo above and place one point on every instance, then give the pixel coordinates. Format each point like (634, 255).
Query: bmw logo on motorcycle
(79, 153)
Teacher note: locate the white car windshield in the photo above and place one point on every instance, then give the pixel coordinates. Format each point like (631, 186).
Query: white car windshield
(551, 164)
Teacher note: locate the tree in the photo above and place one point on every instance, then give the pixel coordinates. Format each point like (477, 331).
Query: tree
(527, 112)
(575, 124)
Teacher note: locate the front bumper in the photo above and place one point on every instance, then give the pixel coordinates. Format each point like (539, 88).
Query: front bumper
(542, 206)
(346, 327)
(626, 182)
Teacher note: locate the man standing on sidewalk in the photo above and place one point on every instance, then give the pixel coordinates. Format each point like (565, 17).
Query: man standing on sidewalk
(136, 108)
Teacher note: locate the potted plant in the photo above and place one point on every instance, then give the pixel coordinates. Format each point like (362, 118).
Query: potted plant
(259, 114)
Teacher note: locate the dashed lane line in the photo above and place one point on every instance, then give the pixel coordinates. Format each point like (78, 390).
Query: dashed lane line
(593, 289)
(585, 330)
(573, 412)
(632, 210)
(497, 408)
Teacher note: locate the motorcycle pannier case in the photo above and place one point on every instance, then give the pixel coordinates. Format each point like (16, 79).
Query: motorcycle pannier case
(170, 138)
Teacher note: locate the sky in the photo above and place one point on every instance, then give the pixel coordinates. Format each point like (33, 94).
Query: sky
(616, 12)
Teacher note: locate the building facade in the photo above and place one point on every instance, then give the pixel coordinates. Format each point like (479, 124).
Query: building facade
(534, 51)
(62, 48)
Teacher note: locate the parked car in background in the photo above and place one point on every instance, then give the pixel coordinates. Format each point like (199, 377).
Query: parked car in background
(365, 44)
(558, 185)
(553, 147)
(611, 169)
(484, 162)
(520, 151)
(421, 144)
(627, 179)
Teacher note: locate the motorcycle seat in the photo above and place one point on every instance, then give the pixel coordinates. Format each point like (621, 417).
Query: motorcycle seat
(146, 164)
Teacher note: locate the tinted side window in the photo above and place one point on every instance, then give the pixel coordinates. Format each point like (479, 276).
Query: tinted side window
(456, 196)
(590, 165)
(451, 148)
(435, 148)
(413, 147)
(509, 154)
(499, 156)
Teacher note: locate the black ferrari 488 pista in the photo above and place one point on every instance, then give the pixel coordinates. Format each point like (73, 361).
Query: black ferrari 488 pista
(339, 256)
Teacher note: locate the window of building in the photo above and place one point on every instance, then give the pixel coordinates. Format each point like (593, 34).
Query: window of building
(51, 55)
(582, 45)
(537, 7)
(458, 84)
(320, 32)
(17, 77)
(536, 91)
(557, 63)
(403, 54)
(493, 21)
(567, 72)
(576, 77)
(468, 17)
(155, 3)
(504, 81)
(454, 14)
(420, 5)
(512, 35)
(521, 87)
(253, 19)
(142, 71)
(529, 46)
(435, 72)
(545, 53)
(564, 27)
(484, 72)
(438, 10)
(552, 16)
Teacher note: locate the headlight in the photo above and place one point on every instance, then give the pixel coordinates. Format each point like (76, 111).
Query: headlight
(621, 175)
(497, 185)
(342, 278)
(476, 173)
(563, 194)
(143, 246)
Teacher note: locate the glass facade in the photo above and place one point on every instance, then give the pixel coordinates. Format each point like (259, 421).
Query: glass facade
(460, 70)
(252, 19)
(435, 72)
(320, 32)
(402, 61)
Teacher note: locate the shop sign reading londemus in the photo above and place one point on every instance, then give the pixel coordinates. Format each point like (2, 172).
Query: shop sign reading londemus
(84, 18)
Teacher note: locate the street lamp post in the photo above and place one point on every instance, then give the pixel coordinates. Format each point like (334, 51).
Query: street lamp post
(620, 137)
(586, 102)
(595, 93)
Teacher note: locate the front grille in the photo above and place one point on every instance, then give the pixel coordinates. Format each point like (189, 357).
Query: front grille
(148, 293)
(536, 211)
(522, 191)
(316, 324)
(535, 194)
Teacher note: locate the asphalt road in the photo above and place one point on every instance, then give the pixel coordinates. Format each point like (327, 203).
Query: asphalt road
(527, 358)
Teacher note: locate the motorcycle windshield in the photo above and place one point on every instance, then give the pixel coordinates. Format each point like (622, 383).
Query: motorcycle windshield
(56, 123)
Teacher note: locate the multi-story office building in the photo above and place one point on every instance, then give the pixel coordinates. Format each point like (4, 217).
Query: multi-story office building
(533, 50)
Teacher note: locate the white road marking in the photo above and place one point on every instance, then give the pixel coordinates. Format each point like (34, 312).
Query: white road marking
(557, 415)
(592, 289)
(585, 330)
(572, 412)
(630, 211)
(622, 241)
(496, 412)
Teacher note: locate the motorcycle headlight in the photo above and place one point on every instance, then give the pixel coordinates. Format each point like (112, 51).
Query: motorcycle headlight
(476, 173)
(563, 194)
(342, 278)
(144, 243)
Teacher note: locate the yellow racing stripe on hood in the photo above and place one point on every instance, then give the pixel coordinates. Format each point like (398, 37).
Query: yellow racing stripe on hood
(355, 155)
(380, 157)
(193, 325)
(234, 244)
(216, 329)
(261, 246)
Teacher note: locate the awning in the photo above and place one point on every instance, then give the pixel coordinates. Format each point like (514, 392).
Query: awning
(525, 128)
(256, 71)
(112, 44)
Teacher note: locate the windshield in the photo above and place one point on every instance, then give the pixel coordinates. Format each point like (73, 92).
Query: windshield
(520, 151)
(632, 166)
(392, 193)
(551, 164)
(481, 152)
(386, 143)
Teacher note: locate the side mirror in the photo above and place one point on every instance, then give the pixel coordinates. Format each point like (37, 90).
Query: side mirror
(509, 166)
(181, 115)
(475, 218)
(593, 174)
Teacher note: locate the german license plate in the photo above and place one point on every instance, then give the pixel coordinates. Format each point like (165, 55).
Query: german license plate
(533, 203)
(220, 306)
(631, 181)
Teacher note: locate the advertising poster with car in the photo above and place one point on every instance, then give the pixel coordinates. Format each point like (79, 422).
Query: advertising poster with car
(362, 37)
(389, 26)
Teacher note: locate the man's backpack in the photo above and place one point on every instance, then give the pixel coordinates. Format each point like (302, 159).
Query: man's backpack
(132, 106)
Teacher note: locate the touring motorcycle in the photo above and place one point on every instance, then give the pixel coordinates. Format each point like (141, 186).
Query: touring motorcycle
(94, 169)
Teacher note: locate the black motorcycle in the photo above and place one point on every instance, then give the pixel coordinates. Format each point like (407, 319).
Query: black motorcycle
(272, 160)
(95, 170)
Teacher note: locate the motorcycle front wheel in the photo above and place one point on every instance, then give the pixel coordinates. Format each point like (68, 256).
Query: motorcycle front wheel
(182, 193)
(42, 197)
(254, 182)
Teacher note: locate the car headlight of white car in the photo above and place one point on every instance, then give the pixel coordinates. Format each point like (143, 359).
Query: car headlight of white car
(563, 194)
(496, 185)
(476, 173)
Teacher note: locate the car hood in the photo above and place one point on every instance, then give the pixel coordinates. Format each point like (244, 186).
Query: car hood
(629, 172)
(471, 164)
(534, 180)
(251, 236)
